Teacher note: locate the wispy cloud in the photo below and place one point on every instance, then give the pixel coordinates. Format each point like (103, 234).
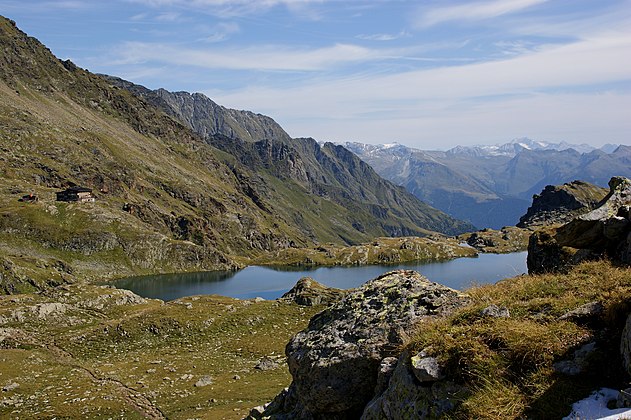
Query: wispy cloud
(168, 17)
(269, 57)
(473, 11)
(221, 32)
(382, 37)
(231, 8)
(439, 97)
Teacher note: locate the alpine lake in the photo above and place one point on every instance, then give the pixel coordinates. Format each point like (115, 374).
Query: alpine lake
(273, 282)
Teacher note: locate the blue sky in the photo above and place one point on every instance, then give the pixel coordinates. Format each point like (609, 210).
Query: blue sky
(429, 74)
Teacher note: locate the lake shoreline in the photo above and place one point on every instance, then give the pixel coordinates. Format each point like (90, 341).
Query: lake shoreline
(271, 282)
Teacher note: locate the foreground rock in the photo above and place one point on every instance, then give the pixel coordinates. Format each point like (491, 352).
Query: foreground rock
(561, 204)
(336, 362)
(603, 232)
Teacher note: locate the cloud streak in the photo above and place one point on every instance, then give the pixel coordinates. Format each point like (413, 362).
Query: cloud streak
(441, 96)
(473, 11)
(270, 57)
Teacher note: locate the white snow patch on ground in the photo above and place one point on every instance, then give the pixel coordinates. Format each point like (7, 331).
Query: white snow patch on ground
(595, 407)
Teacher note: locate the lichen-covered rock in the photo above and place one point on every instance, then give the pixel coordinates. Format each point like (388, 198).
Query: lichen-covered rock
(407, 398)
(495, 311)
(604, 231)
(425, 368)
(308, 292)
(335, 362)
(586, 313)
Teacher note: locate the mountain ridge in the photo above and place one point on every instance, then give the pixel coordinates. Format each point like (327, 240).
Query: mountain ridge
(321, 169)
(497, 186)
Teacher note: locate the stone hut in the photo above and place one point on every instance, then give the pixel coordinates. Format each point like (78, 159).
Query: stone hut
(79, 194)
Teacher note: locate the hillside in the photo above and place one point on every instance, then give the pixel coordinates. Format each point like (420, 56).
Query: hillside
(491, 186)
(338, 184)
(167, 199)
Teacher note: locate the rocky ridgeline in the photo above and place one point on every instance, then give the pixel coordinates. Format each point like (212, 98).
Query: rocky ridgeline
(560, 204)
(604, 232)
(344, 360)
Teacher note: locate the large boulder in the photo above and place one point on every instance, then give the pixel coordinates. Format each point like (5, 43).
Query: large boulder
(335, 362)
(603, 232)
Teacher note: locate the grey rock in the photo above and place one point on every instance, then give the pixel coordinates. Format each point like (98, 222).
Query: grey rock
(578, 364)
(48, 310)
(496, 311)
(335, 362)
(561, 204)
(266, 364)
(426, 369)
(10, 386)
(584, 313)
(386, 368)
(405, 398)
(604, 231)
(204, 381)
(308, 292)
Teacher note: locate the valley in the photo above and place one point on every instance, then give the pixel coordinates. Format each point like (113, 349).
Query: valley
(103, 179)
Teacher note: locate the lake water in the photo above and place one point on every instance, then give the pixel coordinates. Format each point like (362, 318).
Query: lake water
(271, 283)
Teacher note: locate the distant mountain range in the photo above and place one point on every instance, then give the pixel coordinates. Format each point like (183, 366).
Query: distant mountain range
(517, 146)
(492, 186)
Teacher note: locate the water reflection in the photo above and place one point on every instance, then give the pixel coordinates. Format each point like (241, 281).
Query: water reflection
(271, 283)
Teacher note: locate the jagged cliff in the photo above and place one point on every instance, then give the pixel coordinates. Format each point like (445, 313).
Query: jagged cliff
(560, 204)
(602, 233)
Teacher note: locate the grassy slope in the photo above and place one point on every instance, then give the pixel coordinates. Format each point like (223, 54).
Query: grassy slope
(48, 140)
(507, 363)
(98, 358)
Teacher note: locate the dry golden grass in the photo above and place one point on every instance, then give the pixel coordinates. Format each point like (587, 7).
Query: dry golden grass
(507, 363)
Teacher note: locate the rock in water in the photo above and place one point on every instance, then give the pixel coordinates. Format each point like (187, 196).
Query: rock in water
(308, 292)
(335, 362)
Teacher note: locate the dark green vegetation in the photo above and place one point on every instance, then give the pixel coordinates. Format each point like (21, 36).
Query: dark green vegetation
(168, 198)
(507, 363)
(490, 189)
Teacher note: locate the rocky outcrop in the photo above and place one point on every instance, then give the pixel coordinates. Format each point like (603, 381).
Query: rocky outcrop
(561, 204)
(603, 232)
(308, 292)
(337, 363)
(504, 240)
